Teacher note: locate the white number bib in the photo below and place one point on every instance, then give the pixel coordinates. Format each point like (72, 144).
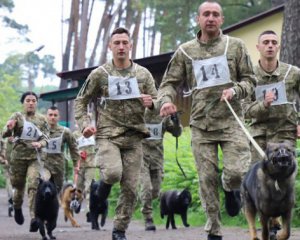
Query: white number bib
(54, 145)
(155, 131)
(278, 89)
(83, 142)
(123, 88)
(211, 72)
(30, 131)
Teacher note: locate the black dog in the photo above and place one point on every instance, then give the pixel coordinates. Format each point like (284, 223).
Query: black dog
(268, 189)
(46, 207)
(96, 207)
(175, 202)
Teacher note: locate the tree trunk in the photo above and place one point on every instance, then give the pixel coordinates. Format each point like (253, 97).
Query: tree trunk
(129, 14)
(290, 38)
(84, 29)
(107, 10)
(111, 18)
(72, 32)
(135, 34)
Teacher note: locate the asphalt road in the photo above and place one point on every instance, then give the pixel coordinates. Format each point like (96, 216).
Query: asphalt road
(9, 230)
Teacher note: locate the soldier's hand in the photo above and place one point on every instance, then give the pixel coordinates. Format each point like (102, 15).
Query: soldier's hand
(147, 100)
(227, 94)
(269, 98)
(37, 145)
(11, 124)
(89, 131)
(298, 131)
(168, 109)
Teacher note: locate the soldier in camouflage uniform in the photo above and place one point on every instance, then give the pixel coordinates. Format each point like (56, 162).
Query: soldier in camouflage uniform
(53, 154)
(216, 67)
(88, 164)
(123, 89)
(5, 150)
(30, 131)
(153, 161)
(272, 108)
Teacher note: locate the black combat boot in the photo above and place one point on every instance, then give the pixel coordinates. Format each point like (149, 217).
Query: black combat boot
(10, 207)
(118, 235)
(34, 225)
(19, 218)
(213, 237)
(88, 217)
(149, 225)
(233, 202)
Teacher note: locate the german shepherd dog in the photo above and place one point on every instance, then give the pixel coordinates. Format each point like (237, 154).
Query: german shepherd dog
(71, 199)
(175, 202)
(97, 207)
(268, 189)
(46, 207)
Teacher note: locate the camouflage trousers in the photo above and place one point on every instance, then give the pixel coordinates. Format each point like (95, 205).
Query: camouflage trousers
(55, 168)
(8, 186)
(236, 161)
(150, 186)
(120, 160)
(20, 170)
(85, 177)
(274, 138)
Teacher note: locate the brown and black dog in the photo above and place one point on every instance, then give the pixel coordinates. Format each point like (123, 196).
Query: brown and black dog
(71, 199)
(268, 189)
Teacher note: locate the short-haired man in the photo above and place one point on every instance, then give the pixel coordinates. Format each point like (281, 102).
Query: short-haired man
(272, 107)
(216, 67)
(123, 89)
(53, 155)
(272, 110)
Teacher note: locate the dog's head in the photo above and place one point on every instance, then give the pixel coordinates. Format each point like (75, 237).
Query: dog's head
(47, 189)
(185, 197)
(76, 199)
(280, 157)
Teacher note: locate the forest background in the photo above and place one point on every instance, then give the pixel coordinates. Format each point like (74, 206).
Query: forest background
(157, 26)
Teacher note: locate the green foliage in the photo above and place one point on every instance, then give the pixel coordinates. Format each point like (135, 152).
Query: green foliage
(176, 19)
(2, 178)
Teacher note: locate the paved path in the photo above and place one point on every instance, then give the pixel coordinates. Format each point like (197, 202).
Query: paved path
(9, 230)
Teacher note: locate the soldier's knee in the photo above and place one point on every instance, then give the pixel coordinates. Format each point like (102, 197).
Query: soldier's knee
(112, 177)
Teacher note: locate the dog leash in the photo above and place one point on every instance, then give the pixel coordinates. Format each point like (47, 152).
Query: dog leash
(38, 156)
(76, 173)
(175, 119)
(257, 147)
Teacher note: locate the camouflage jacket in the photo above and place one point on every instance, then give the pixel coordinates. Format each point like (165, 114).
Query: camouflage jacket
(114, 116)
(153, 148)
(67, 139)
(207, 111)
(278, 117)
(22, 149)
(90, 150)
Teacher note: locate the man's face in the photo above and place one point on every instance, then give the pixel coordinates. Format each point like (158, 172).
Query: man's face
(210, 18)
(52, 117)
(30, 103)
(268, 46)
(120, 46)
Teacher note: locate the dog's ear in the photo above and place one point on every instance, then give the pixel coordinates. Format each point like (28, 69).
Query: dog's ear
(51, 178)
(78, 190)
(39, 179)
(73, 190)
